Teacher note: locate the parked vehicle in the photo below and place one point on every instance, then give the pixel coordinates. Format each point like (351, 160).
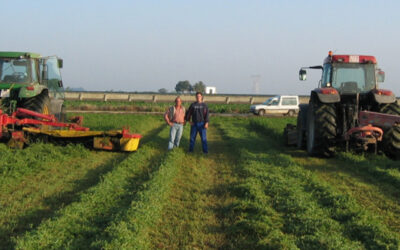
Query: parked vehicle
(280, 104)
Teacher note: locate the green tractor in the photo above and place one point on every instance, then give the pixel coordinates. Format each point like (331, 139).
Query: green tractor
(30, 81)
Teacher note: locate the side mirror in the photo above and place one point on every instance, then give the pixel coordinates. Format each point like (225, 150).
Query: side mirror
(60, 63)
(380, 76)
(302, 74)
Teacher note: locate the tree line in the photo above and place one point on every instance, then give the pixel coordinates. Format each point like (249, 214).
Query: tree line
(186, 87)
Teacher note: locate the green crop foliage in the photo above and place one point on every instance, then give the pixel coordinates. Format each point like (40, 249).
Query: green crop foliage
(149, 107)
(249, 192)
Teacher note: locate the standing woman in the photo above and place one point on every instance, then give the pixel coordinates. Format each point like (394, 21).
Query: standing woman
(198, 112)
(175, 118)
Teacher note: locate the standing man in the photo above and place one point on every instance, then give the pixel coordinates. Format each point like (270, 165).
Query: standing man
(198, 112)
(175, 118)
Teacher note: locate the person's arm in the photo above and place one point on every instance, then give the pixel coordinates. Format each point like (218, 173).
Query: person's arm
(206, 116)
(166, 117)
(189, 113)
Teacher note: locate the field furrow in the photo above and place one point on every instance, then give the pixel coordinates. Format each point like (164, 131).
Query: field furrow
(249, 192)
(194, 215)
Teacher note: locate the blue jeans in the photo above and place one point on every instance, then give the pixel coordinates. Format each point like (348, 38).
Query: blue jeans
(175, 134)
(198, 128)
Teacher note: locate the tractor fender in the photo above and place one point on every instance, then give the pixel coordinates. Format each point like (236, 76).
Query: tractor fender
(31, 90)
(325, 95)
(383, 96)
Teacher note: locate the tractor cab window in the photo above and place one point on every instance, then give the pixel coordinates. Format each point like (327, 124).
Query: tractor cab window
(51, 76)
(15, 70)
(326, 75)
(353, 78)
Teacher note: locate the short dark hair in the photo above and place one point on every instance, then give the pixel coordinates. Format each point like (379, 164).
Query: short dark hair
(199, 93)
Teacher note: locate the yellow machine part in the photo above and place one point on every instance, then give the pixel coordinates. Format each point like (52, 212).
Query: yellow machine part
(129, 144)
(109, 140)
(112, 143)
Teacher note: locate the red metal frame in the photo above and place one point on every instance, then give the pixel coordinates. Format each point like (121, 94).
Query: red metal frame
(126, 134)
(377, 119)
(42, 119)
(370, 129)
(47, 120)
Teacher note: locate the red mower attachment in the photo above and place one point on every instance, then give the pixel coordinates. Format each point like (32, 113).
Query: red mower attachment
(23, 124)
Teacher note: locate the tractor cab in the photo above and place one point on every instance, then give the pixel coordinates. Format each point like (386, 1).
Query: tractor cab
(348, 74)
(25, 75)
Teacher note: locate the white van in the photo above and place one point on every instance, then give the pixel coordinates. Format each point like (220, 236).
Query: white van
(280, 104)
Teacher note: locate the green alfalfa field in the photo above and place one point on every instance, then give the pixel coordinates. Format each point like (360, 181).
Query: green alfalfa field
(249, 192)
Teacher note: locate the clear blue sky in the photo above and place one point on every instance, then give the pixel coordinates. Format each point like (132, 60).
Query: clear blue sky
(148, 45)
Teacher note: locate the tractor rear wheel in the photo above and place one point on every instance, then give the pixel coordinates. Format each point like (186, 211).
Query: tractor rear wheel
(39, 103)
(391, 136)
(389, 108)
(391, 142)
(321, 129)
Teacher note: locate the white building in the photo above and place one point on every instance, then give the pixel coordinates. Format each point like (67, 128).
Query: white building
(211, 90)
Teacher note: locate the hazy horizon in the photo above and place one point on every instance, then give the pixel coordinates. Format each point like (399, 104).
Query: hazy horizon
(145, 46)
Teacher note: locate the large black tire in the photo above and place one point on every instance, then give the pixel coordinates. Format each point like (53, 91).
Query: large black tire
(391, 136)
(389, 108)
(39, 103)
(391, 142)
(321, 129)
(301, 126)
(261, 112)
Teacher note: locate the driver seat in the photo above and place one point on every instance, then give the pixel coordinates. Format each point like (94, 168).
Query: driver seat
(9, 78)
(349, 87)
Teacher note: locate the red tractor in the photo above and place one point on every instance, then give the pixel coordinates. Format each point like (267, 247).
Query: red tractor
(349, 110)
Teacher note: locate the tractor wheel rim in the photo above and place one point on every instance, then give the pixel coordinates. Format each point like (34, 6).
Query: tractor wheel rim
(45, 110)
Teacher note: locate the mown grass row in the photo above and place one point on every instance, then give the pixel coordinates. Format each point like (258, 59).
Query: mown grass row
(359, 223)
(91, 207)
(81, 224)
(309, 213)
(37, 181)
(16, 163)
(150, 107)
(132, 229)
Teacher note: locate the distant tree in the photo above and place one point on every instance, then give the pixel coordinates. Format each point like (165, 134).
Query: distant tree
(183, 86)
(199, 87)
(163, 91)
